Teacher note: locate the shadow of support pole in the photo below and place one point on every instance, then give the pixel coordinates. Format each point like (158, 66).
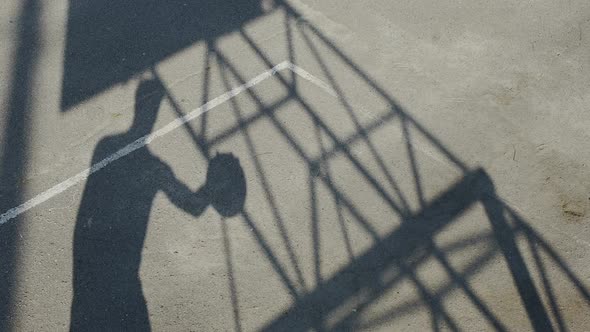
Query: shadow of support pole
(521, 276)
(14, 153)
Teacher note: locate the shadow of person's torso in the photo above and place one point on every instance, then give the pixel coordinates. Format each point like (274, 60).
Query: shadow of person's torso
(109, 238)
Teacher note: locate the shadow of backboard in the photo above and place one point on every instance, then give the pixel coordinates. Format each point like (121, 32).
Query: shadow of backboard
(109, 41)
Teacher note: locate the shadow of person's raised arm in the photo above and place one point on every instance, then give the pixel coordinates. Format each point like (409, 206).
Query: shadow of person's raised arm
(224, 189)
(181, 195)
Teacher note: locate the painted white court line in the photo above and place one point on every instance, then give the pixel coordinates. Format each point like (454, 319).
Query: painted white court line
(309, 77)
(145, 140)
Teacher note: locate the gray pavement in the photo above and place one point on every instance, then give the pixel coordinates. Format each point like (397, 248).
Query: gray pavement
(296, 165)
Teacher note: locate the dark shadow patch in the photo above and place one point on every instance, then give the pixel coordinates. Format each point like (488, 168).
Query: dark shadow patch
(110, 41)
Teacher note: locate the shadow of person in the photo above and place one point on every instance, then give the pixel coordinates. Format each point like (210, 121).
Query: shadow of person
(113, 217)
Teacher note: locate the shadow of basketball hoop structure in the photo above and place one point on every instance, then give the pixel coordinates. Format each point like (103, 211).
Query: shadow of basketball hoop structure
(393, 258)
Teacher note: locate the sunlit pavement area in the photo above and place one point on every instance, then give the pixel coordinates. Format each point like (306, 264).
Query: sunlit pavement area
(294, 165)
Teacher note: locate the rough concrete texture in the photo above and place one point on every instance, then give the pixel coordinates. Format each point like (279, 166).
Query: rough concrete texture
(412, 166)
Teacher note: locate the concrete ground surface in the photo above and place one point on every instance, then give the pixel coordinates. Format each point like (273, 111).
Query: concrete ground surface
(294, 165)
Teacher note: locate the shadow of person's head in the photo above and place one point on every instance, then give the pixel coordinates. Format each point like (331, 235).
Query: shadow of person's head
(148, 97)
